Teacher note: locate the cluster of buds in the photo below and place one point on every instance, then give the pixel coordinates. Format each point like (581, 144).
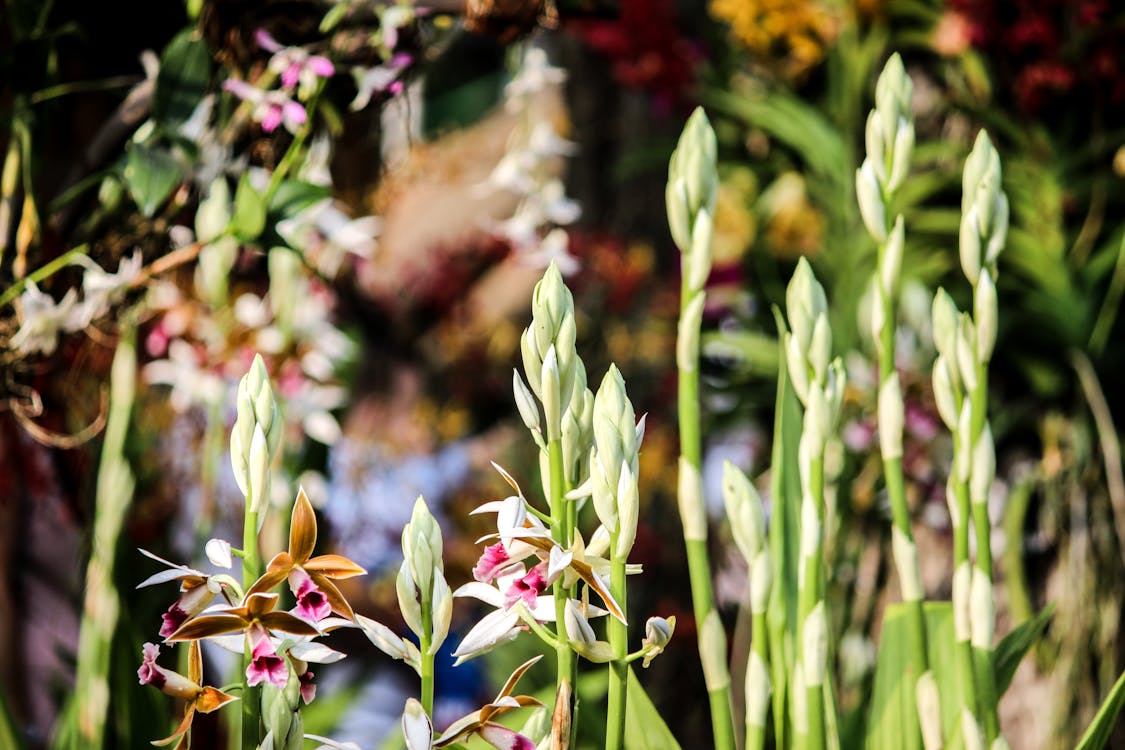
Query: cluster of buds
(256, 436)
(424, 596)
(818, 382)
(890, 141)
(613, 462)
(984, 211)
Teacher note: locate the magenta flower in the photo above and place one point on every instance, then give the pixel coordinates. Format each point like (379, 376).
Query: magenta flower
(492, 561)
(165, 680)
(308, 687)
(192, 601)
(295, 66)
(271, 108)
(266, 665)
(528, 587)
(312, 604)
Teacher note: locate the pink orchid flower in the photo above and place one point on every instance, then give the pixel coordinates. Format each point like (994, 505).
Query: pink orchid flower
(296, 67)
(203, 699)
(265, 664)
(271, 108)
(312, 603)
(197, 590)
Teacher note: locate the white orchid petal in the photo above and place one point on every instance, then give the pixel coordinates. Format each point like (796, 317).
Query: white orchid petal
(494, 628)
(218, 552)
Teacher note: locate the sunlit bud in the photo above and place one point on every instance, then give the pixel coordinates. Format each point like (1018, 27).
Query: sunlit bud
(805, 301)
(698, 261)
(985, 312)
(929, 710)
(946, 318)
(551, 394)
(578, 628)
(875, 140)
(695, 159)
(984, 467)
(892, 258)
(906, 562)
(963, 449)
(971, 733)
(967, 352)
(982, 610)
(815, 639)
(258, 471)
(797, 368)
(999, 233)
(687, 340)
(713, 652)
(870, 198)
(893, 91)
(944, 395)
(416, 728)
(218, 552)
(213, 214)
(761, 580)
(408, 599)
(679, 215)
(951, 503)
(442, 611)
(758, 690)
(744, 509)
(969, 244)
(962, 592)
(525, 402)
(904, 145)
(890, 417)
(820, 347)
(628, 505)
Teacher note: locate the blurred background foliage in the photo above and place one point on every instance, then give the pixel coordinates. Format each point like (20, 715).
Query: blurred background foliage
(433, 314)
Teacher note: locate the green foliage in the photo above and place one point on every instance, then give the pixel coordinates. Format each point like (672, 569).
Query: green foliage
(249, 217)
(644, 727)
(150, 175)
(1008, 654)
(1097, 735)
(185, 70)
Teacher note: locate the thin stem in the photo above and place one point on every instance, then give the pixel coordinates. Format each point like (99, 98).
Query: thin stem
(694, 521)
(619, 642)
(809, 596)
(251, 569)
(427, 671)
(544, 634)
(43, 272)
(565, 658)
(961, 557)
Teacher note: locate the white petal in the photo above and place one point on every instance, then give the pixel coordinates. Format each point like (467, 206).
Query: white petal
(493, 629)
(483, 591)
(416, 727)
(218, 552)
(317, 653)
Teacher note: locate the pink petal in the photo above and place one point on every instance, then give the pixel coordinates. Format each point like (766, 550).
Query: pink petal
(291, 75)
(504, 738)
(295, 115)
(308, 687)
(265, 41)
(266, 665)
(272, 118)
(491, 561)
(241, 89)
(150, 673)
(312, 604)
(172, 620)
(322, 66)
(526, 588)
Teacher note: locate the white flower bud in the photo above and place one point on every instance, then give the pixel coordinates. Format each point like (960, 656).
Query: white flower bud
(891, 268)
(218, 552)
(532, 362)
(698, 261)
(258, 471)
(442, 610)
(416, 727)
(628, 511)
(605, 503)
(969, 244)
(870, 200)
(761, 581)
(797, 368)
(906, 561)
(758, 690)
(658, 631)
(971, 733)
(967, 352)
(984, 467)
(944, 394)
(891, 411)
(820, 347)
(213, 214)
(525, 402)
(744, 510)
(713, 652)
(962, 592)
(552, 396)
(687, 340)
(928, 701)
(999, 233)
(810, 526)
(408, 599)
(815, 639)
(963, 449)
(946, 319)
(800, 701)
(955, 519)
(679, 215)
(578, 628)
(982, 610)
(985, 313)
(690, 496)
(904, 146)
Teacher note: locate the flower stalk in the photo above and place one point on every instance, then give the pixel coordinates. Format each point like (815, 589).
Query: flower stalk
(690, 197)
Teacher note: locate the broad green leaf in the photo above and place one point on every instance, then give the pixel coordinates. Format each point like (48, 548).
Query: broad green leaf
(150, 174)
(249, 218)
(1097, 735)
(781, 614)
(185, 69)
(644, 727)
(1008, 654)
(893, 720)
(294, 196)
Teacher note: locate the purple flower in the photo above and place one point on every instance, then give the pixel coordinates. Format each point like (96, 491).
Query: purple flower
(265, 665)
(271, 108)
(312, 604)
(165, 680)
(528, 587)
(308, 687)
(295, 65)
(493, 560)
(192, 601)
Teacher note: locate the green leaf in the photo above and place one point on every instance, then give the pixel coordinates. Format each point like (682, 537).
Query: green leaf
(1101, 727)
(150, 174)
(1008, 654)
(893, 721)
(249, 217)
(644, 727)
(294, 196)
(185, 69)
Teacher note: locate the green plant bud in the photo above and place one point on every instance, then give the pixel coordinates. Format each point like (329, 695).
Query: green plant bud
(969, 245)
(988, 190)
(265, 408)
(984, 467)
(525, 402)
(744, 510)
(761, 581)
(697, 152)
(815, 639)
(962, 592)
(687, 339)
(408, 599)
(963, 449)
(758, 691)
(442, 611)
(532, 362)
(810, 527)
(212, 270)
(578, 433)
(906, 561)
(801, 304)
(797, 368)
(928, 700)
(903, 148)
(999, 234)
(628, 511)
(578, 628)
(985, 313)
(981, 160)
(276, 715)
(213, 214)
(690, 495)
(679, 215)
(713, 652)
(891, 267)
(698, 262)
(875, 141)
(945, 395)
(870, 198)
(258, 471)
(552, 398)
(951, 502)
(891, 411)
(946, 319)
(568, 360)
(982, 610)
(971, 733)
(820, 348)
(967, 352)
(603, 487)
(817, 420)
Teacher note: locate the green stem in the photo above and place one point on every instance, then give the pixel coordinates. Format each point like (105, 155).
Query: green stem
(45, 271)
(964, 647)
(565, 658)
(544, 635)
(618, 668)
(251, 569)
(427, 671)
(694, 520)
(809, 595)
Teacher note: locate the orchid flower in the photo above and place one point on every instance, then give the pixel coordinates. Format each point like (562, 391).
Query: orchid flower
(199, 698)
(42, 319)
(480, 722)
(271, 108)
(197, 590)
(310, 577)
(376, 80)
(296, 67)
